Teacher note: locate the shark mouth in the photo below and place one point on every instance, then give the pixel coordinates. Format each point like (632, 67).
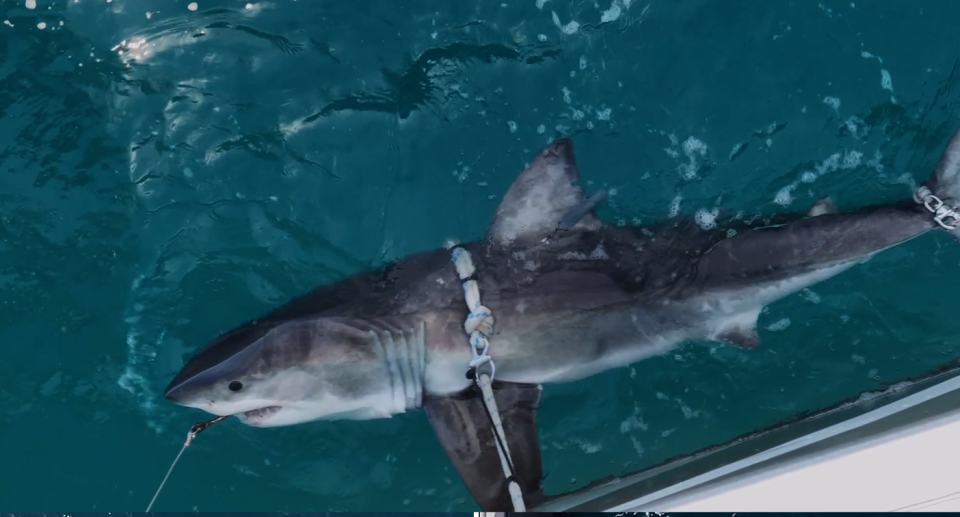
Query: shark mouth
(256, 416)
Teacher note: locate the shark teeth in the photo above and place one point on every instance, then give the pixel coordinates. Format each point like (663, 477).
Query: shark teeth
(262, 413)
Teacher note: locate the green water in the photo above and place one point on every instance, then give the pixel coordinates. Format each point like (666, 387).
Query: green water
(166, 177)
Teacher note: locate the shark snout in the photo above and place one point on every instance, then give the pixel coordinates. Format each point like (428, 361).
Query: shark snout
(175, 393)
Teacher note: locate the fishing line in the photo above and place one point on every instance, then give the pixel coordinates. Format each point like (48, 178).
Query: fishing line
(197, 428)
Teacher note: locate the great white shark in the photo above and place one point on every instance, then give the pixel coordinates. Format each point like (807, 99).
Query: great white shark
(571, 297)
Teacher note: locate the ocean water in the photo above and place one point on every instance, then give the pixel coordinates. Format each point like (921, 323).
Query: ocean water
(170, 169)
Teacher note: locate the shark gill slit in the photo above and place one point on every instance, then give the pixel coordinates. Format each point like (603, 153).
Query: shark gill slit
(390, 366)
(404, 365)
(405, 358)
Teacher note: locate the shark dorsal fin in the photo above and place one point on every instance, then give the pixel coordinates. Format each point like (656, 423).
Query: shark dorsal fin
(544, 197)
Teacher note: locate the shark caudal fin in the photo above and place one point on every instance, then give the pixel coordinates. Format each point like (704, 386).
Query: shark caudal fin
(941, 193)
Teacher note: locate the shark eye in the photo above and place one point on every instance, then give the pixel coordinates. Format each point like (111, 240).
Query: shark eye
(236, 386)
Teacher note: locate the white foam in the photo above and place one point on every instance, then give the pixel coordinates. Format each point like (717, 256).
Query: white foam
(779, 325)
(569, 29)
(857, 127)
(785, 196)
(851, 160)
(675, 206)
(692, 149)
(811, 296)
(833, 102)
(687, 412)
(736, 149)
(633, 423)
(830, 164)
(693, 146)
(587, 447)
(886, 82)
(877, 161)
(706, 219)
(611, 14)
(30, 4)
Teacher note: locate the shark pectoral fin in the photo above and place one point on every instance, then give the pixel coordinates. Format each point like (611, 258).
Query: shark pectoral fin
(466, 435)
(743, 338)
(542, 197)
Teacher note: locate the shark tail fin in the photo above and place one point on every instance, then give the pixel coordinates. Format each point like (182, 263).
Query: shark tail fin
(940, 194)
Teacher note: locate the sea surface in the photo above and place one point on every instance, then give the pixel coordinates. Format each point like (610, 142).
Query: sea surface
(170, 169)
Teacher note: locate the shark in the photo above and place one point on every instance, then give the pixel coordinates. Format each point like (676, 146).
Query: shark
(571, 296)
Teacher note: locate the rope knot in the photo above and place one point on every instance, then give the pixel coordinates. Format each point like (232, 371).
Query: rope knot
(479, 320)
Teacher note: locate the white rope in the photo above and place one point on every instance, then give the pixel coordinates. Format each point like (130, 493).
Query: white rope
(479, 326)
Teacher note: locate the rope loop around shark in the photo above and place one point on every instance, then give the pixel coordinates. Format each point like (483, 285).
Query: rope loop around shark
(479, 326)
(572, 299)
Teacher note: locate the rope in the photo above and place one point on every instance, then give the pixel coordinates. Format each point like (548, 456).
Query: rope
(479, 326)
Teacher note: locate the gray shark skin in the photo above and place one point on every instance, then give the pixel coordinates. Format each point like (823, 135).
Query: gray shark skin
(571, 297)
